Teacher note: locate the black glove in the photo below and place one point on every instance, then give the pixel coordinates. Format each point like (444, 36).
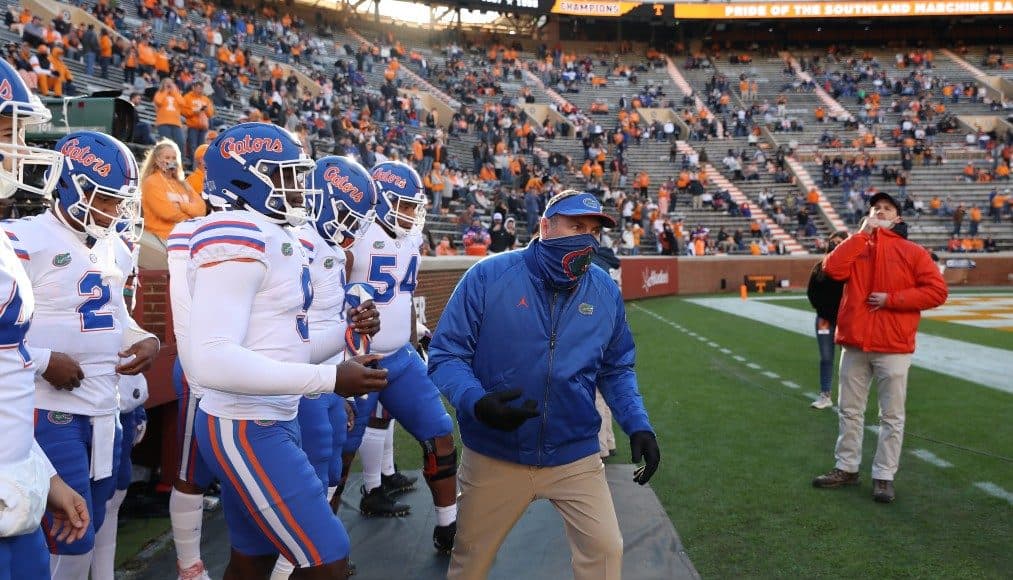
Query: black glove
(645, 445)
(492, 410)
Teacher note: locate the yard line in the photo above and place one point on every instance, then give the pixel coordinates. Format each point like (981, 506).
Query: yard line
(930, 457)
(994, 490)
(993, 367)
(791, 385)
(771, 374)
(754, 366)
(739, 358)
(713, 344)
(726, 351)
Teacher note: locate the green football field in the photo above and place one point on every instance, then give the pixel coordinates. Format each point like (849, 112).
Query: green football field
(740, 448)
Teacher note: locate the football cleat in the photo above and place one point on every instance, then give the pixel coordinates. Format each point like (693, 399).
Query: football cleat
(397, 483)
(377, 502)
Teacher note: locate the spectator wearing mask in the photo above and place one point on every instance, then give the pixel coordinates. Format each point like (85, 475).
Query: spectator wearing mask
(169, 106)
(476, 239)
(501, 239)
(888, 282)
(166, 197)
(825, 296)
(198, 110)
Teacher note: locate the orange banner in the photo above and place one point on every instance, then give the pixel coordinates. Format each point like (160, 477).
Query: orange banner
(593, 8)
(838, 9)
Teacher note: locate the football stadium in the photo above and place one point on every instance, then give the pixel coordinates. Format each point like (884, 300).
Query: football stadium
(736, 240)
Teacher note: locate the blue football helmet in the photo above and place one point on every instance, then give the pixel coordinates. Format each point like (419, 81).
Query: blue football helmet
(261, 167)
(20, 108)
(344, 209)
(96, 164)
(399, 188)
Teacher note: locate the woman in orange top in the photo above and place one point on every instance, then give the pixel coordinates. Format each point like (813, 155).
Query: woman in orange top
(198, 110)
(168, 110)
(196, 178)
(166, 198)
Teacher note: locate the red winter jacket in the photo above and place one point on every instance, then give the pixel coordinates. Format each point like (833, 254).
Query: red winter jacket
(883, 262)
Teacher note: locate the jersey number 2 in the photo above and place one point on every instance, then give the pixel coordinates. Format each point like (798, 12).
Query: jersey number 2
(380, 273)
(92, 316)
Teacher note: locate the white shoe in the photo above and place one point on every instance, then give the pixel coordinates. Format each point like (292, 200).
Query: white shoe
(824, 402)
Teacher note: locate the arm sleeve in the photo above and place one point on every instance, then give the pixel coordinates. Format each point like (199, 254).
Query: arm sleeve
(928, 291)
(218, 325)
(453, 346)
(617, 380)
(195, 205)
(40, 356)
(837, 264)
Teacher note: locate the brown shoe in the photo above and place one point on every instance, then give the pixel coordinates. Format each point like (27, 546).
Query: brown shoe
(882, 491)
(835, 478)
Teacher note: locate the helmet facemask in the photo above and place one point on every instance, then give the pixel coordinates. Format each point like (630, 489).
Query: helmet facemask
(125, 221)
(396, 214)
(20, 162)
(348, 226)
(286, 181)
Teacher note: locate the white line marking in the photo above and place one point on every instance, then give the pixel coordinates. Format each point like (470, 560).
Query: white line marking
(754, 366)
(725, 351)
(771, 374)
(713, 345)
(701, 338)
(930, 457)
(993, 367)
(790, 385)
(872, 429)
(994, 490)
(739, 358)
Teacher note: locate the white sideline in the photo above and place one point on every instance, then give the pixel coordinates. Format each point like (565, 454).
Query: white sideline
(930, 457)
(994, 490)
(985, 365)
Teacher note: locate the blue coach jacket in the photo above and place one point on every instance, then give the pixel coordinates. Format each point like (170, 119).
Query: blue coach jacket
(505, 328)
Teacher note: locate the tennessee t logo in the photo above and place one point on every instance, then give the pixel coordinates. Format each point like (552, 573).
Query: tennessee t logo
(523, 302)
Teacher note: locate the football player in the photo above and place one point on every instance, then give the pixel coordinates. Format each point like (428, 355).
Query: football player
(133, 421)
(27, 479)
(344, 209)
(249, 349)
(77, 264)
(186, 501)
(388, 258)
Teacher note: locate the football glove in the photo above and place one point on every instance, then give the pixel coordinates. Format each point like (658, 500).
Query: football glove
(492, 410)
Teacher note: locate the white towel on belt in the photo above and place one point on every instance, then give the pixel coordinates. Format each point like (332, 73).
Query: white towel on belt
(103, 442)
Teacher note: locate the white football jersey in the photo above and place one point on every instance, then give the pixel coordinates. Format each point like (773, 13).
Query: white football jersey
(180, 284)
(17, 373)
(278, 326)
(80, 309)
(391, 266)
(327, 274)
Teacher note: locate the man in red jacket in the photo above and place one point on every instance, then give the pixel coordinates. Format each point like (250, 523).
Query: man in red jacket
(888, 282)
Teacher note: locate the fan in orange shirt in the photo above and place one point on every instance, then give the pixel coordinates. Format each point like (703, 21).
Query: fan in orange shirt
(196, 177)
(166, 198)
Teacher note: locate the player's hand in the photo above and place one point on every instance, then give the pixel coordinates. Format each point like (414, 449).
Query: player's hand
(365, 318)
(354, 378)
(70, 512)
(144, 353)
(645, 446)
(877, 300)
(493, 410)
(63, 372)
(350, 414)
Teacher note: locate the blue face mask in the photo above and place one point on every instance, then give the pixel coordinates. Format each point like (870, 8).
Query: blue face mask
(564, 260)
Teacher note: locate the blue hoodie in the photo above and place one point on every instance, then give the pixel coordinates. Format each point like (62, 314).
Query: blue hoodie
(505, 328)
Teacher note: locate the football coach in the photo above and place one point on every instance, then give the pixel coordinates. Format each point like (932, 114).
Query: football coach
(520, 348)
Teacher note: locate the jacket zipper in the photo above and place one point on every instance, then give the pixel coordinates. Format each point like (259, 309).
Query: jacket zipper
(548, 376)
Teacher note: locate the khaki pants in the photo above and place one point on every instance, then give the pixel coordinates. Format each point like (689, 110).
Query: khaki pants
(494, 495)
(858, 370)
(606, 437)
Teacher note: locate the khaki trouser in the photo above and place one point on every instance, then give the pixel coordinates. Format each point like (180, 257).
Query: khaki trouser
(606, 437)
(858, 370)
(495, 493)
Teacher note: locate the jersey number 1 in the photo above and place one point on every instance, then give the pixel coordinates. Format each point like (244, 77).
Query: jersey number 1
(92, 316)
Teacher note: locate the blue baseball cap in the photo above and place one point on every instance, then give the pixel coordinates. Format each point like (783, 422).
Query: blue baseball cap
(576, 203)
